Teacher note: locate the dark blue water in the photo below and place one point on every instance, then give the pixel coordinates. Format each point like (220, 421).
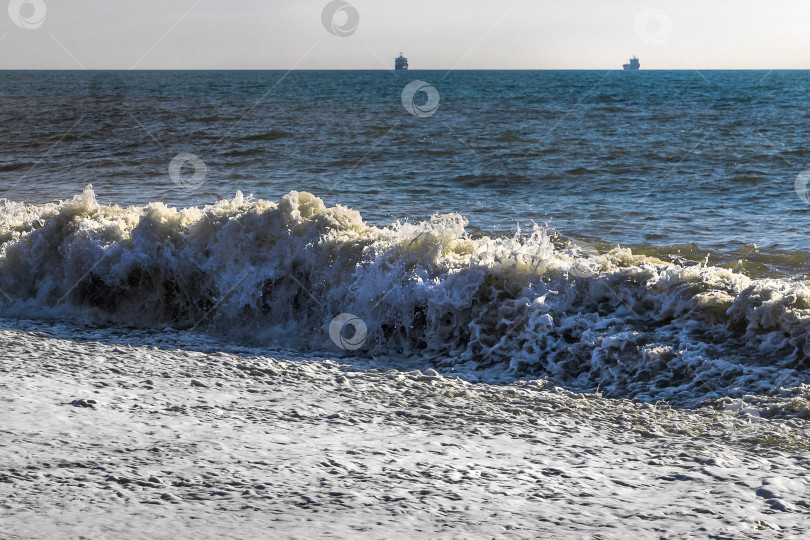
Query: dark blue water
(643, 158)
(683, 167)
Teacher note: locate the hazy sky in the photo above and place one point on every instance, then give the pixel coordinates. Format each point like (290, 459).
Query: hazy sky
(434, 34)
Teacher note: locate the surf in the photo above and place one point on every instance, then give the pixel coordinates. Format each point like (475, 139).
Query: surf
(496, 307)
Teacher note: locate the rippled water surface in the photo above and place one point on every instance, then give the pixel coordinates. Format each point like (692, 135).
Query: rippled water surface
(644, 158)
(695, 172)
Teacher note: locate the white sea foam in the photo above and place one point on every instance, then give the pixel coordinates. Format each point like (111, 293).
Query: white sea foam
(504, 307)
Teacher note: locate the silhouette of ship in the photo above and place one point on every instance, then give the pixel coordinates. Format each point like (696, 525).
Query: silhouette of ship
(401, 63)
(633, 65)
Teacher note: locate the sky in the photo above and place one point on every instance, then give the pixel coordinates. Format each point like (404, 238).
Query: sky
(433, 34)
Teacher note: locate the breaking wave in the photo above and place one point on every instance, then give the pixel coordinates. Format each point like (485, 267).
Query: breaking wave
(530, 304)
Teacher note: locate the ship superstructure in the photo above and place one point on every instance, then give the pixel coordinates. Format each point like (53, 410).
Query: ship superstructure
(401, 63)
(633, 65)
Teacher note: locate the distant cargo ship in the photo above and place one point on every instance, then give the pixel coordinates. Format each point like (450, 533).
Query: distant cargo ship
(633, 65)
(401, 63)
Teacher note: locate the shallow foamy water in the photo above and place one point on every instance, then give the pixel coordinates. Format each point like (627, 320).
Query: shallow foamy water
(487, 307)
(104, 436)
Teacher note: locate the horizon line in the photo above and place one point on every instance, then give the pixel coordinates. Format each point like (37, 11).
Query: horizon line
(402, 71)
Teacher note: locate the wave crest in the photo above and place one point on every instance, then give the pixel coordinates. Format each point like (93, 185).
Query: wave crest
(277, 273)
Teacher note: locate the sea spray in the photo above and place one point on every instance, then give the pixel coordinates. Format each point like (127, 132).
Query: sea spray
(270, 273)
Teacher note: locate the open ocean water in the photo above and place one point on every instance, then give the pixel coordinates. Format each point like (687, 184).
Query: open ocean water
(644, 233)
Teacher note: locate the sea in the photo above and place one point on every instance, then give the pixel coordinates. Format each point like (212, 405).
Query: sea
(640, 234)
